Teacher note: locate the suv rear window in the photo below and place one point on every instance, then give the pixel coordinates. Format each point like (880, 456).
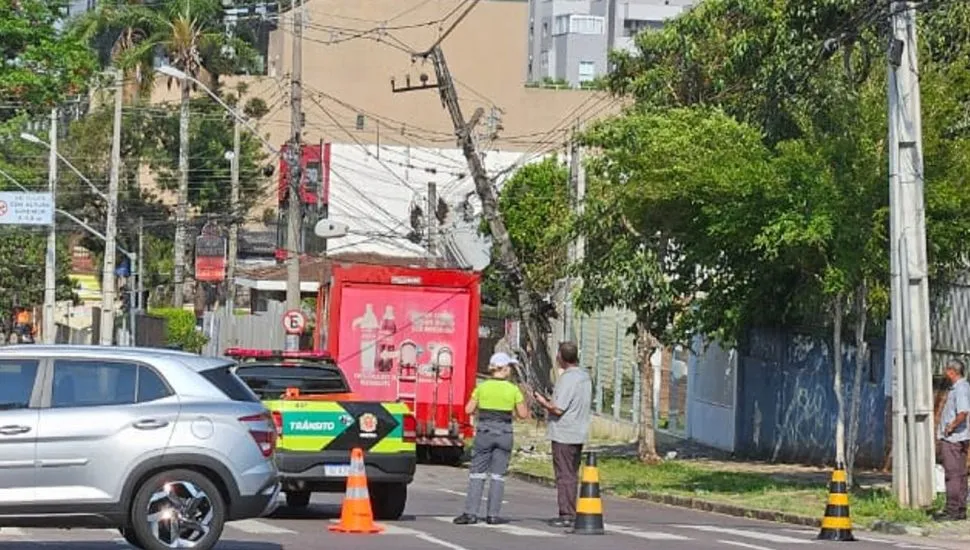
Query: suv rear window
(229, 384)
(270, 380)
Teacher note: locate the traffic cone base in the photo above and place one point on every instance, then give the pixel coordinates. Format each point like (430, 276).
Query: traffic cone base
(837, 522)
(356, 515)
(589, 505)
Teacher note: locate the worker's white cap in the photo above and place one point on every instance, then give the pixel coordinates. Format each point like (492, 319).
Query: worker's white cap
(502, 359)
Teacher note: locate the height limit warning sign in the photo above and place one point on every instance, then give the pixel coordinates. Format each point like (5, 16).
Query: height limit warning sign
(23, 208)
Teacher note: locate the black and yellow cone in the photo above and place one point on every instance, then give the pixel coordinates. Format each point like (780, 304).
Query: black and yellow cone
(837, 523)
(589, 505)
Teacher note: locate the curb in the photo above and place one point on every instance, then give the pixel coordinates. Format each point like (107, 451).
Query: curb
(892, 528)
(693, 503)
(879, 526)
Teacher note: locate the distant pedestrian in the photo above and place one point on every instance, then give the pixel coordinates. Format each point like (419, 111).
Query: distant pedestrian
(954, 436)
(568, 426)
(496, 400)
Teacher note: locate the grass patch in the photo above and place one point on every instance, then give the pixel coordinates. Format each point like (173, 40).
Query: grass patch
(758, 491)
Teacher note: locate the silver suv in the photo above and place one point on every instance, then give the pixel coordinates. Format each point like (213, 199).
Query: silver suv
(163, 445)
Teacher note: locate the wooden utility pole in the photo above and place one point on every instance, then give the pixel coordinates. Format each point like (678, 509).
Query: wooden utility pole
(294, 216)
(540, 369)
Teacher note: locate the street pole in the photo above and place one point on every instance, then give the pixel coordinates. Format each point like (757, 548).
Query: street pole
(181, 209)
(49, 327)
(111, 226)
(141, 263)
(913, 430)
(234, 223)
(433, 222)
(577, 180)
(294, 204)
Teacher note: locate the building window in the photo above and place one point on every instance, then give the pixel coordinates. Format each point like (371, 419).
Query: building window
(544, 61)
(562, 25)
(631, 27)
(587, 24)
(587, 71)
(545, 29)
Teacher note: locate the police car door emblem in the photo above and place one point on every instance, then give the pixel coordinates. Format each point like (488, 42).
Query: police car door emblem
(368, 425)
(346, 420)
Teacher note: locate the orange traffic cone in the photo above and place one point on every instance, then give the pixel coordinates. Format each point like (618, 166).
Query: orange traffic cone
(356, 515)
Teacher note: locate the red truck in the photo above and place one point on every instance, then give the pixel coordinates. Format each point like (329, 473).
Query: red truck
(406, 334)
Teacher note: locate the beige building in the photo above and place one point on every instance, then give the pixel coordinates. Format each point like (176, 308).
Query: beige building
(353, 48)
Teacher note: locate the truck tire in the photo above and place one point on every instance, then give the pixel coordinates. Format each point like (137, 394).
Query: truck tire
(298, 499)
(149, 501)
(388, 500)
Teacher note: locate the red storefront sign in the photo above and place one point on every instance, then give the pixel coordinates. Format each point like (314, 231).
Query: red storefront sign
(210, 256)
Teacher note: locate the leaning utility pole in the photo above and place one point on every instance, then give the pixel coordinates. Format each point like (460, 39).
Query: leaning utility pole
(234, 224)
(432, 221)
(294, 204)
(49, 328)
(111, 227)
(540, 373)
(913, 430)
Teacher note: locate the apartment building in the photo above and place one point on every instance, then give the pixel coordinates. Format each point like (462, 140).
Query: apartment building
(568, 40)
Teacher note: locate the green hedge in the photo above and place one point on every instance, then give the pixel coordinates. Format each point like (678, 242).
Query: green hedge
(180, 329)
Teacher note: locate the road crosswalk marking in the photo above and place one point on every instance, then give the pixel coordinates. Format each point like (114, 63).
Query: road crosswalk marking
(461, 494)
(743, 545)
(760, 535)
(255, 527)
(508, 529)
(648, 535)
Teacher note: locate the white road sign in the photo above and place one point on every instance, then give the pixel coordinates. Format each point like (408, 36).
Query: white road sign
(294, 321)
(22, 208)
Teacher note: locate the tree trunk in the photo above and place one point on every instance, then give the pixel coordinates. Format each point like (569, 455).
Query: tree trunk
(646, 435)
(837, 382)
(181, 210)
(861, 359)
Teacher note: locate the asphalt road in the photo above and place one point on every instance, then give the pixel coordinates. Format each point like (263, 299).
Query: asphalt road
(438, 494)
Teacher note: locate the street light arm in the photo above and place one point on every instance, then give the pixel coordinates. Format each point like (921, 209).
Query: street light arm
(177, 74)
(83, 178)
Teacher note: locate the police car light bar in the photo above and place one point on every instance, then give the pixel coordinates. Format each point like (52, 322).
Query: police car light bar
(245, 353)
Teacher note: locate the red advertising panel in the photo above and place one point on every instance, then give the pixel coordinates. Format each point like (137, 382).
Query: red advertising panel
(314, 174)
(210, 269)
(388, 330)
(210, 255)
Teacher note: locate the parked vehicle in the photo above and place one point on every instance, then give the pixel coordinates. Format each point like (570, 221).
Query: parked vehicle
(136, 439)
(410, 335)
(320, 421)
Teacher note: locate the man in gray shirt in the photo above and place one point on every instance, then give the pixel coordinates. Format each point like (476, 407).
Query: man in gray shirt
(570, 413)
(954, 436)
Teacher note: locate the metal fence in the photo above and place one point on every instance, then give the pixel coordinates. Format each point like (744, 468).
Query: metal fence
(262, 330)
(609, 352)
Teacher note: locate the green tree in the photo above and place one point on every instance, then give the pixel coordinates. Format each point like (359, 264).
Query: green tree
(534, 204)
(42, 67)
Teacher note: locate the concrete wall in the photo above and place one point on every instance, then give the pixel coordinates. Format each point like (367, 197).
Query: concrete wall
(786, 403)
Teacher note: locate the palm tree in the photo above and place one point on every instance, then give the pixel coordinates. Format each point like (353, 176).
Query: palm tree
(186, 33)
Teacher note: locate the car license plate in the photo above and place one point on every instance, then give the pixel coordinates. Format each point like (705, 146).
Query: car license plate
(336, 470)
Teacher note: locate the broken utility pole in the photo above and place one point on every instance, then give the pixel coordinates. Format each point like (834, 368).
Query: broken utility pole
(539, 371)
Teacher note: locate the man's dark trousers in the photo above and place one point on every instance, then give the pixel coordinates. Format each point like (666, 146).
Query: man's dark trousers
(566, 459)
(955, 473)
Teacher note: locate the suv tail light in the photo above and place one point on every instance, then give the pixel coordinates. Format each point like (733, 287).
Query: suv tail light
(410, 426)
(278, 422)
(264, 436)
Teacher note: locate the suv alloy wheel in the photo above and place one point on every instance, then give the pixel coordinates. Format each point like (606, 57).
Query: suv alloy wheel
(178, 509)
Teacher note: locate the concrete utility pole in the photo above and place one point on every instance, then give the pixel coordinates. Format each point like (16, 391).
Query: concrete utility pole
(433, 221)
(541, 372)
(577, 180)
(234, 225)
(49, 328)
(111, 226)
(913, 430)
(294, 205)
(182, 207)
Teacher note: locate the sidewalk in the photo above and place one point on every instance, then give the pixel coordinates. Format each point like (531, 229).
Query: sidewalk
(697, 477)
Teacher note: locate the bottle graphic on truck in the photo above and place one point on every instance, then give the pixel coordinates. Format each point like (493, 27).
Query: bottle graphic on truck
(385, 350)
(368, 326)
